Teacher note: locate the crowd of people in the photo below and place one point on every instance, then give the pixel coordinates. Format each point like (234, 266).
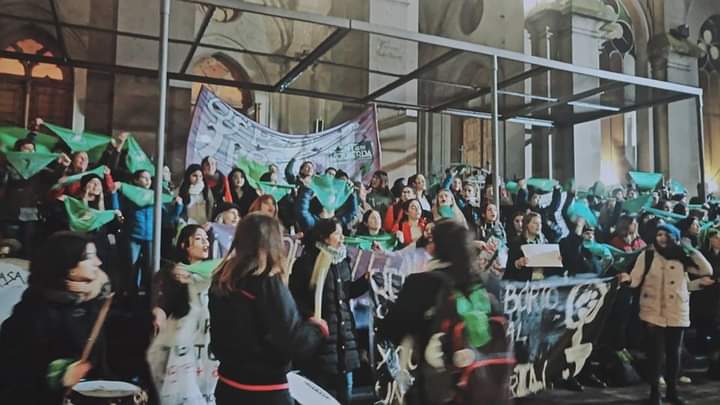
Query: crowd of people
(266, 318)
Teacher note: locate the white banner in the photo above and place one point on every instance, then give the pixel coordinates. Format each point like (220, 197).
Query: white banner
(13, 282)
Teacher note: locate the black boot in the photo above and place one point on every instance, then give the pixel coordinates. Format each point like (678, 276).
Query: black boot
(654, 396)
(671, 395)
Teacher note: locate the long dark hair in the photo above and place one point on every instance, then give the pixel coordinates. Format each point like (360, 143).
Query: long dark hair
(61, 252)
(246, 188)
(453, 244)
(254, 233)
(184, 191)
(183, 242)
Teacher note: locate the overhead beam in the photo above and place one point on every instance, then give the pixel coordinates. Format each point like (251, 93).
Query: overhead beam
(200, 34)
(412, 75)
(313, 56)
(535, 107)
(595, 115)
(58, 28)
(487, 90)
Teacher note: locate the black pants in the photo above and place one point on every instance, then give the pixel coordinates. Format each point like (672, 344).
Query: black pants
(338, 385)
(226, 395)
(664, 341)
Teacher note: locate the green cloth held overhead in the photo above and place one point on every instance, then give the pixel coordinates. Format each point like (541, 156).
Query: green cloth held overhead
(278, 191)
(512, 187)
(331, 192)
(29, 164)
(204, 268)
(646, 181)
(98, 171)
(636, 205)
(619, 260)
(85, 141)
(142, 197)
(253, 170)
(9, 135)
(542, 185)
(83, 218)
(386, 241)
(580, 208)
(598, 189)
(137, 159)
(676, 187)
(667, 216)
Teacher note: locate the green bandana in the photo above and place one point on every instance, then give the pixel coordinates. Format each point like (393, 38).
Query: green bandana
(278, 191)
(331, 192)
(474, 311)
(142, 197)
(79, 142)
(137, 159)
(677, 188)
(667, 216)
(29, 164)
(386, 241)
(636, 205)
(542, 186)
(512, 187)
(204, 268)
(83, 218)
(646, 181)
(253, 170)
(9, 135)
(98, 171)
(581, 209)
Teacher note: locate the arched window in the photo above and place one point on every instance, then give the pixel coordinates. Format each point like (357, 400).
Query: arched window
(34, 89)
(221, 67)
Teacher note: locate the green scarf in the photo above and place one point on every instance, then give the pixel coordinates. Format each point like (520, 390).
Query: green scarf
(137, 159)
(79, 142)
(29, 164)
(277, 191)
(331, 192)
(83, 218)
(204, 268)
(98, 171)
(141, 197)
(646, 181)
(386, 241)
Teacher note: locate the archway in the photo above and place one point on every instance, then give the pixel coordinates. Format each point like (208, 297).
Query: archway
(222, 67)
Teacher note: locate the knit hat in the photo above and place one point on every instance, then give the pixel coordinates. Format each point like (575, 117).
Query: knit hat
(671, 230)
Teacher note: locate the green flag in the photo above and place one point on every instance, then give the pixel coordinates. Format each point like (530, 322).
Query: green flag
(278, 191)
(386, 241)
(142, 197)
(542, 185)
(79, 142)
(598, 189)
(646, 181)
(98, 171)
(677, 188)
(512, 187)
(204, 268)
(253, 170)
(601, 252)
(331, 192)
(10, 135)
(29, 164)
(637, 204)
(137, 159)
(83, 218)
(580, 208)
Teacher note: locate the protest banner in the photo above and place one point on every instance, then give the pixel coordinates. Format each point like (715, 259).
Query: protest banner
(13, 282)
(224, 133)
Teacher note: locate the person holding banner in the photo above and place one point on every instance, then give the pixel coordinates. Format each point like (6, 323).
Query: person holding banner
(255, 327)
(660, 274)
(41, 342)
(181, 319)
(517, 269)
(241, 193)
(322, 285)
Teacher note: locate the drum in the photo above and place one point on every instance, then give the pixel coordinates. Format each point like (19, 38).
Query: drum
(101, 392)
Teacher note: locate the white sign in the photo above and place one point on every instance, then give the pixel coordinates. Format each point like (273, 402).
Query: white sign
(306, 392)
(547, 255)
(13, 282)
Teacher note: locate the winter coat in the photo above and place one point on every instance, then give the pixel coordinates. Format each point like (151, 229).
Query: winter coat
(392, 216)
(141, 220)
(513, 273)
(406, 230)
(620, 243)
(576, 258)
(550, 227)
(339, 352)
(20, 198)
(256, 332)
(45, 327)
(665, 298)
(248, 197)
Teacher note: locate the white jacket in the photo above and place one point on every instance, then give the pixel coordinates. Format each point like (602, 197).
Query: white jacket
(665, 298)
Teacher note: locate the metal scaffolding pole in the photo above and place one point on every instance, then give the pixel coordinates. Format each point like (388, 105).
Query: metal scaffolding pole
(495, 134)
(702, 189)
(160, 157)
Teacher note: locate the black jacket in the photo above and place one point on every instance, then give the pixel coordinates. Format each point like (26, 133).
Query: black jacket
(550, 228)
(339, 353)
(40, 330)
(513, 273)
(577, 259)
(257, 332)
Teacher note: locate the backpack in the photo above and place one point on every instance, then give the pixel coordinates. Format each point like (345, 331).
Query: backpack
(469, 357)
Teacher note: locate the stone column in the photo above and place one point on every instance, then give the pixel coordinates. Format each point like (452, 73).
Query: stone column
(675, 125)
(576, 37)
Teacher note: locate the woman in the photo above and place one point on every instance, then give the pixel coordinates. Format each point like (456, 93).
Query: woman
(664, 307)
(380, 197)
(214, 179)
(491, 227)
(180, 317)
(452, 267)
(419, 184)
(371, 224)
(704, 304)
(255, 327)
(197, 198)
(517, 262)
(240, 191)
(445, 207)
(410, 228)
(689, 231)
(395, 212)
(627, 238)
(516, 226)
(265, 204)
(325, 264)
(41, 342)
